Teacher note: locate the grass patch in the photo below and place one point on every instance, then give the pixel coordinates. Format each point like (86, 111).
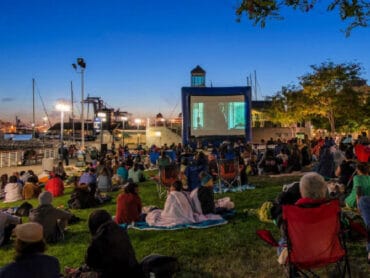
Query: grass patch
(231, 250)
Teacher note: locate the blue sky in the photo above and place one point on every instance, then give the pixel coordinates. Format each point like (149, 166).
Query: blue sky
(139, 53)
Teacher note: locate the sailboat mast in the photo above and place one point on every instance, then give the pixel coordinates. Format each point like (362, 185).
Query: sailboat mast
(33, 107)
(73, 115)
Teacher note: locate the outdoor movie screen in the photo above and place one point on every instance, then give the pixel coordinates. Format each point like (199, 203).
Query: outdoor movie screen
(217, 115)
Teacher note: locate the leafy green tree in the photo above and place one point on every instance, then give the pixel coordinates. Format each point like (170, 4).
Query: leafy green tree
(331, 91)
(333, 97)
(285, 107)
(356, 12)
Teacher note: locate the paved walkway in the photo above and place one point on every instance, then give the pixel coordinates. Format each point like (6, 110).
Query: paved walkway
(37, 169)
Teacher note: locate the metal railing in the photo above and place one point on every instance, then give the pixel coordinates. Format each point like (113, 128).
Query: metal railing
(15, 158)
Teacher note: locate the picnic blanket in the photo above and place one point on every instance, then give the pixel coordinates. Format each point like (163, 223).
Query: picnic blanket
(144, 226)
(241, 188)
(177, 210)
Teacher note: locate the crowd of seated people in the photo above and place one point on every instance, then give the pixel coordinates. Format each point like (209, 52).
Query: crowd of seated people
(190, 198)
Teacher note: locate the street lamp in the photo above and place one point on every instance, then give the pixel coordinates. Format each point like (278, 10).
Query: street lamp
(81, 63)
(62, 107)
(124, 119)
(158, 134)
(138, 122)
(103, 119)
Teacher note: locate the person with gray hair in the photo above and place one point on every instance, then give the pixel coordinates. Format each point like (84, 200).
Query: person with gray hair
(313, 186)
(313, 190)
(53, 220)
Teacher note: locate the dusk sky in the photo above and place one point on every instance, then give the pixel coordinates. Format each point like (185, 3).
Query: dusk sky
(140, 53)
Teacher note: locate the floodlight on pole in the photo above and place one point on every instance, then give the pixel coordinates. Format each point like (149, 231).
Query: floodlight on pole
(138, 122)
(62, 107)
(81, 63)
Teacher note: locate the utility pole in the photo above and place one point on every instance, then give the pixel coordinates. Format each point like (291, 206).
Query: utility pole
(33, 107)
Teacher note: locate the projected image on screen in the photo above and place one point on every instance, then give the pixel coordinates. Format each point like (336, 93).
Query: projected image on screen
(217, 115)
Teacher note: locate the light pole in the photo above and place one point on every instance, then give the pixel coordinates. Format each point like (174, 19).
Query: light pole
(62, 107)
(138, 121)
(158, 134)
(103, 119)
(81, 63)
(124, 119)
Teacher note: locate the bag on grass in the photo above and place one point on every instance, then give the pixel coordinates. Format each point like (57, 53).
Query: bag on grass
(159, 266)
(23, 209)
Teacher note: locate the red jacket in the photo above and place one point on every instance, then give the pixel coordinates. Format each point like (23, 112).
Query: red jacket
(55, 186)
(128, 208)
(362, 152)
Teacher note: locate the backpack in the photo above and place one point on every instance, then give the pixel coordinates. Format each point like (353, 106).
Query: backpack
(159, 266)
(23, 209)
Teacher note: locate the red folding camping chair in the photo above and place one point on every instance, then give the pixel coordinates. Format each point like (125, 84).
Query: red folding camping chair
(228, 172)
(314, 238)
(167, 176)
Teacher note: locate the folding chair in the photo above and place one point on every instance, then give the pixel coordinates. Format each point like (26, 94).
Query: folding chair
(314, 239)
(228, 172)
(167, 176)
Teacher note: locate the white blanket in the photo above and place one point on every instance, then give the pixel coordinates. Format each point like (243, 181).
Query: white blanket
(177, 210)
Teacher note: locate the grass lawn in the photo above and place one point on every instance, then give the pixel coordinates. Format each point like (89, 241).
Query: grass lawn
(231, 250)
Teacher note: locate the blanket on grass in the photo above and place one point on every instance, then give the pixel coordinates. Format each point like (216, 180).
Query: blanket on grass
(178, 210)
(224, 189)
(144, 226)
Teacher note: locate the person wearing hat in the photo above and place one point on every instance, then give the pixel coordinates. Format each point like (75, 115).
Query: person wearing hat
(52, 219)
(128, 204)
(29, 260)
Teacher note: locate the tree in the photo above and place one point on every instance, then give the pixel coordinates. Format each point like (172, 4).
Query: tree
(357, 12)
(333, 96)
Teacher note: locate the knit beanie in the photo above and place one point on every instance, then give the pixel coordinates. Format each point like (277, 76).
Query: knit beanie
(45, 198)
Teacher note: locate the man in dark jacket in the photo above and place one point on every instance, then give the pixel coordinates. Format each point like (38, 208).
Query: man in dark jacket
(110, 252)
(52, 219)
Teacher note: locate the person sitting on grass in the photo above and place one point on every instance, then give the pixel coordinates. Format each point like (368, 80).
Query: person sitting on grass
(110, 253)
(360, 198)
(7, 224)
(29, 260)
(362, 180)
(122, 172)
(104, 181)
(52, 219)
(128, 204)
(203, 200)
(59, 170)
(31, 189)
(55, 185)
(136, 173)
(13, 190)
(178, 210)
